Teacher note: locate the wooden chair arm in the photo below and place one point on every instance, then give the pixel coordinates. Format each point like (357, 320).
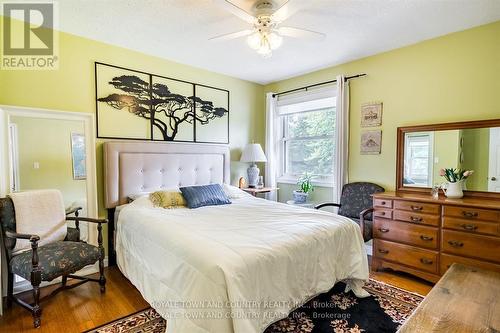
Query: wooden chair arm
(31, 238)
(365, 212)
(362, 216)
(327, 204)
(86, 219)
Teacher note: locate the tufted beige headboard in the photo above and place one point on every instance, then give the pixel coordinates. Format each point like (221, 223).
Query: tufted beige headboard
(135, 167)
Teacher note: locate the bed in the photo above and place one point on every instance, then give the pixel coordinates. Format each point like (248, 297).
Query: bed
(234, 268)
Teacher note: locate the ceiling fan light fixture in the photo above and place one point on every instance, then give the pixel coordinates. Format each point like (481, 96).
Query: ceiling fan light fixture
(265, 49)
(254, 40)
(275, 40)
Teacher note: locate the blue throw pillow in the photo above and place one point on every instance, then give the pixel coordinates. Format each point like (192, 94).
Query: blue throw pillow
(204, 195)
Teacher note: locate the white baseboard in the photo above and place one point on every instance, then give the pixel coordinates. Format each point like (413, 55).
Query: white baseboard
(25, 285)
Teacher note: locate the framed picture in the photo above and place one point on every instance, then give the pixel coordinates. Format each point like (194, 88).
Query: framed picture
(371, 142)
(78, 156)
(153, 107)
(213, 117)
(371, 114)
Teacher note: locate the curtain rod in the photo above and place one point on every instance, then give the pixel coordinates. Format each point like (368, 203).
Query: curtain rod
(317, 84)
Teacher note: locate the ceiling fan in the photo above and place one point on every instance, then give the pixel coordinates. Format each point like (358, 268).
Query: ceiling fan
(266, 33)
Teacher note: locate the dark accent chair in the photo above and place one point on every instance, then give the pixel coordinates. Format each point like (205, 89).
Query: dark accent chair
(356, 202)
(47, 262)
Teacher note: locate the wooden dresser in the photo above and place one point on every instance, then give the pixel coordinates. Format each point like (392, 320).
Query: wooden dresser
(424, 237)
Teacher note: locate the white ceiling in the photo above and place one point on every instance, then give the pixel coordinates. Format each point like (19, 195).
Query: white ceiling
(179, 30)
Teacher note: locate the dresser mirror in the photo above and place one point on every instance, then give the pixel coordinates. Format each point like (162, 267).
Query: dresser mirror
(424, 150)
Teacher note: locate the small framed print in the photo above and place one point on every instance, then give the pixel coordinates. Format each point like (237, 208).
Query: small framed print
(371, 114)
(78, 156)
(371, 142)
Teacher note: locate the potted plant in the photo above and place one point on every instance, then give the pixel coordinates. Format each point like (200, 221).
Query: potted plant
(305, 187)
(455, 181)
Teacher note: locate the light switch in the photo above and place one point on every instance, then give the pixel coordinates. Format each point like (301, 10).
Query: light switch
(36, 165)
(436, 160)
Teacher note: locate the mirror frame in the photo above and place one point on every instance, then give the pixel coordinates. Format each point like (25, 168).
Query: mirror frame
(436, 127)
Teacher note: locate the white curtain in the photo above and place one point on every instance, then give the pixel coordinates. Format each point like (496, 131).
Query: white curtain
(342, 137)
(271, 144)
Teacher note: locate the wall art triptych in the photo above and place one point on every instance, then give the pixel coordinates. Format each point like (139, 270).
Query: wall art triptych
(142, 106)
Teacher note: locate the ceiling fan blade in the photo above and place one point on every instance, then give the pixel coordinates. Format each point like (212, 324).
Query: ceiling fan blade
(289, 8)
(300, 33)
(235, 10)
(232, 35)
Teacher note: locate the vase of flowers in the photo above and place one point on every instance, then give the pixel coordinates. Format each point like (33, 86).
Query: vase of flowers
(455, 178)
(305, 187)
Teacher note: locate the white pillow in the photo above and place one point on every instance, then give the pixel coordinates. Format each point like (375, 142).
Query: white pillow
(234, 192)
(143, 202)
(135, 196)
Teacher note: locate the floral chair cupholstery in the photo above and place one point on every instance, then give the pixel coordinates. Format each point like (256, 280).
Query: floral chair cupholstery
(356, 203)
(50, 260)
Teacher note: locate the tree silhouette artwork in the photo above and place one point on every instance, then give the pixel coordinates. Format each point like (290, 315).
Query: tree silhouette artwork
(137, 97)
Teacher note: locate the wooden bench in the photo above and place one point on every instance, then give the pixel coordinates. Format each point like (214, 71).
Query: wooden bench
(466, 299)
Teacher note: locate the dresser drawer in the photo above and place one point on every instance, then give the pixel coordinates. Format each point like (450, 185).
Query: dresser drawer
(472, 213)
(416, 218)
(446, 260)
(384, 213)
(425, 260)
(479, 227)
(417, 235)
(382, 203)
(417, 207)
(469, 245)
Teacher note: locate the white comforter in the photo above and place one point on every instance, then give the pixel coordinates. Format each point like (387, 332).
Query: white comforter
(238, 267)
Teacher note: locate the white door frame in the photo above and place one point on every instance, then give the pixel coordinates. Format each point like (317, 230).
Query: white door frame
(493, 159)
(8, 111)
(14, 157)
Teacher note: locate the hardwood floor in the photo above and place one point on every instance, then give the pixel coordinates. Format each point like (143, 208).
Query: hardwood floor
(84, 307)
(78, 309)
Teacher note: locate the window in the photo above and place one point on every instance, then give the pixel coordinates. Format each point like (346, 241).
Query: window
(418, 155)
(307, 136)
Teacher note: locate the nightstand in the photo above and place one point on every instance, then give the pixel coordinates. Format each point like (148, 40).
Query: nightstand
(254, 191)
(305, 205)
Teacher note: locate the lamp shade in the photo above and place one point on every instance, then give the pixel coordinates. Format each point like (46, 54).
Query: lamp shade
(253, 153)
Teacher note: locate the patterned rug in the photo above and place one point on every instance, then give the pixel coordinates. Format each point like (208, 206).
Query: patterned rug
(331, 312)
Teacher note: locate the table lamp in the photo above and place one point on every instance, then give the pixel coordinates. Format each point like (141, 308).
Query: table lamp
(253, 153)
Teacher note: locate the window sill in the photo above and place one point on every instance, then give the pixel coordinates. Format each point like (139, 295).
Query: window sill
(314, 182)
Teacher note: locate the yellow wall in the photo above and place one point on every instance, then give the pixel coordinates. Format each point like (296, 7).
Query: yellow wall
(71, 88)
(446, 152)
(450, 78)
(476, 157)
(48, 142)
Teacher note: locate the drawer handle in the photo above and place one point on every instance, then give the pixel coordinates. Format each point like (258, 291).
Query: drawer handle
(415, 219)
(426, 238)
(383, 203)
(470, 214)
(417, 208)
(456, 243)
(381, 213)
(470, 227)
(383, 230)
(426, 261)
(383, 251)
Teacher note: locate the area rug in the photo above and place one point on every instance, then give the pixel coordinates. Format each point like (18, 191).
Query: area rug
(332, 312)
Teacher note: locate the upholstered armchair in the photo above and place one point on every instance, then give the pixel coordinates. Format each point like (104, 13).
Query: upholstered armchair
(356, 203)
(49, 261)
